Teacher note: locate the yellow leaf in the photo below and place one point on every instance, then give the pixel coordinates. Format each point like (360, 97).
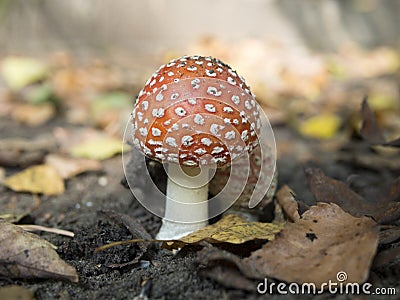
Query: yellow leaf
(37, 179)
(380, 101)
(322, 126)
(233, 229)
(99, 149)
(18, 72)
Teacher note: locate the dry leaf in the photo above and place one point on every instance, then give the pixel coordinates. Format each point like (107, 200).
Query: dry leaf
(322, 126)
(232, 229)
(17, 152)
(383, 209)
(16, 292)
(99, 149)
(231, 275)
(285, 198)
(21, 71)
(33, 115)
(325, 241)
(37, 179)
(25, 255)
(69, 167)
(370, 129)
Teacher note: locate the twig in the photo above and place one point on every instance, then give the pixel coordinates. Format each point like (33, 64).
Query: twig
(47, 229)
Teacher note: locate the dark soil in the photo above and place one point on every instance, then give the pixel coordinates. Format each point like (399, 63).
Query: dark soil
(161, 274)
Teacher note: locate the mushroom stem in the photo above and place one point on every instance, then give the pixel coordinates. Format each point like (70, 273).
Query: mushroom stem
(191, 188)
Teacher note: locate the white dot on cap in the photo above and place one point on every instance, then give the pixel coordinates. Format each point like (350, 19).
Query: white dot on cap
(180, 111)
(210, 107)
(145, 105)
(211, 90)
(171, 142)
(235, 99)
(200, 151)
(158, 112)
(230, 135)
(206, 141)
(198, 119)
(187, 140)
(217, 150)
(143, 131)
(155, 131)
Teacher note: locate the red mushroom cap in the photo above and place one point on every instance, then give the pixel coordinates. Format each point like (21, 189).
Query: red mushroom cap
(195, 111)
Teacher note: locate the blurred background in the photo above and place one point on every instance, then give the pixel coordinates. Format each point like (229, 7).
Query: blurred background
(309, 62)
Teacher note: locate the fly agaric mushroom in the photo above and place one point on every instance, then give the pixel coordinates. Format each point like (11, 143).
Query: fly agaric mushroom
(194, 114)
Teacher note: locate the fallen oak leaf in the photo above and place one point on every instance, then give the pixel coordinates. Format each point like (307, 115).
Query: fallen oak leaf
(37, 179)
(326, 189)
(29, 256)
(325, 241)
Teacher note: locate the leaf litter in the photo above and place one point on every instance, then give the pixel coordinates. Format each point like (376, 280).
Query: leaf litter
(29, 256)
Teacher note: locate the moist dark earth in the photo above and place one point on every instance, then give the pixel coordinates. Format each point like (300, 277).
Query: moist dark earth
(95, 203)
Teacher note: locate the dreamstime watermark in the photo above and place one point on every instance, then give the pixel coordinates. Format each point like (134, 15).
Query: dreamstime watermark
(340, 286)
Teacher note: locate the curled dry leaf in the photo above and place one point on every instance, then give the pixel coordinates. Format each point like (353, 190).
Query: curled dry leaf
(232, 228)
(370, 129)
(68, 167)
(326, 189)
(25, 255)
(42, 179)
(325, 241)
(286, 200)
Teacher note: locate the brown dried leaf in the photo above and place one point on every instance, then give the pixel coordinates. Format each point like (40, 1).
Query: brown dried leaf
(370, 129)
(17, 152)
(37, 179)
(25, 255)
(326, 189)
(388, 257)
(33, 115)
(325, 241)
(286, 200)
(225, 268)
(68, 167)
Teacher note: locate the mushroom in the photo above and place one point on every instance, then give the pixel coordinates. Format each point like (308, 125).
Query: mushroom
(195, 114)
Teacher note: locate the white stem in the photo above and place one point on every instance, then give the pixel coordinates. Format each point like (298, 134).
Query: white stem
(186, 208)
